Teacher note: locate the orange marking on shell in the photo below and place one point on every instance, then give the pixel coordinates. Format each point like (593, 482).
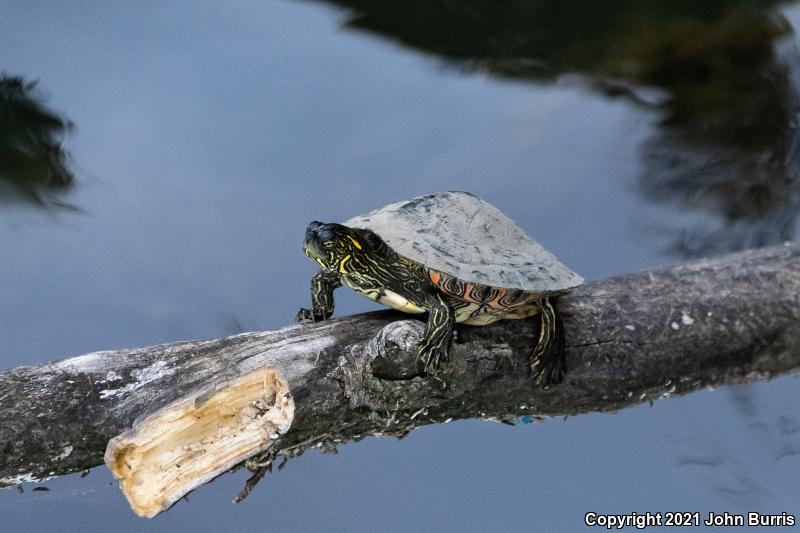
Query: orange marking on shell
(494, 303)
(468, 293)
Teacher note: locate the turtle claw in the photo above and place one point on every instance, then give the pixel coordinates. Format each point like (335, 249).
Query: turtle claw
(430, 357)
(548, 369)
(306, 315)
(303, 315)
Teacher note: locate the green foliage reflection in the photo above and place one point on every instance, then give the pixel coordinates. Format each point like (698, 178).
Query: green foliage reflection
(32, 161)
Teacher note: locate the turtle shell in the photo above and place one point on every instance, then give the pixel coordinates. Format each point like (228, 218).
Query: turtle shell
(459, 234)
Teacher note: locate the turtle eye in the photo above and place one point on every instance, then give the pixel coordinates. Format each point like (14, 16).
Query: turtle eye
(327, 244)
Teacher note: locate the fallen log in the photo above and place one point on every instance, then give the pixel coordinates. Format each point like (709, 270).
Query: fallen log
(168, 418)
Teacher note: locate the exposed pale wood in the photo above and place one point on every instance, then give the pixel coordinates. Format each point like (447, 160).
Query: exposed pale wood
(630, 339)
(196, 438)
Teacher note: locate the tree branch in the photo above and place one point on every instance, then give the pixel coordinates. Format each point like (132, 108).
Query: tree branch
(630, 339)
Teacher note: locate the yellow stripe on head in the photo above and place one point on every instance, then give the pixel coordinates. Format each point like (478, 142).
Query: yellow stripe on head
(355, 242)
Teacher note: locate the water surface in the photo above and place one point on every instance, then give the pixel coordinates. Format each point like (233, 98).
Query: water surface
(206, 137)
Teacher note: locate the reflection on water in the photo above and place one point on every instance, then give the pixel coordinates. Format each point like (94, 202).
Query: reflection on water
(725, 147)
(726, 143)
(731, 155)
(32, 161)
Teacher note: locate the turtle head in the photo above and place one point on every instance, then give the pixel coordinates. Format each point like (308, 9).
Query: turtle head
(333, 246)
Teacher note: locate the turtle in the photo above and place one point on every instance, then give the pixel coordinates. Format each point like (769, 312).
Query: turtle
(451, 255)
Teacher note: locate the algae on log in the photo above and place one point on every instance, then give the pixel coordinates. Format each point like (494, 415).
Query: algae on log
(629, 339)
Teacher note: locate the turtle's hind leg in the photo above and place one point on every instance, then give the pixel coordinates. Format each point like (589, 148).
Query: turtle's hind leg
(548, 366)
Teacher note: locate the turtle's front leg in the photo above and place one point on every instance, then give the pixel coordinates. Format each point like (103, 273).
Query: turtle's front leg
(323, 284)
(435, 343)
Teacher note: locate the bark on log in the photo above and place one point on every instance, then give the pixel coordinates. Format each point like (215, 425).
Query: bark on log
(630, 339)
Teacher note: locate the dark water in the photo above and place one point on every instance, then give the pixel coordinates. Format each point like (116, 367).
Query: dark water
(622, 135)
